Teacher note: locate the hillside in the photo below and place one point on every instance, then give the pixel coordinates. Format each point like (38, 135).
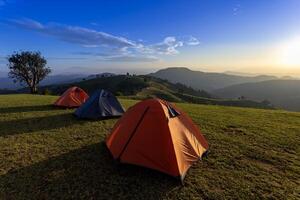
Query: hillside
(282, 93)
(46, 153)
(204, 80)
(143, 87)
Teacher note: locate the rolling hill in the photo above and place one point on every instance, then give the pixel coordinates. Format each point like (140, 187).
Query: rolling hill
(204, 80)
(143, 87)
(46, 153)
(282, 93)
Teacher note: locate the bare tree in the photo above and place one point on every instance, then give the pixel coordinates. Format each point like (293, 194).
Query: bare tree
(28, 68)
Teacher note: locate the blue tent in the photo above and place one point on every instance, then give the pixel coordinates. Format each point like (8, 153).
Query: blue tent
(102, 104)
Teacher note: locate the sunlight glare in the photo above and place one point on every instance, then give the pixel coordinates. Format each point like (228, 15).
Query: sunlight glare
(290, 53)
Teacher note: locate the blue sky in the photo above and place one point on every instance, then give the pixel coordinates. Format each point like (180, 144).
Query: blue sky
(142, 36)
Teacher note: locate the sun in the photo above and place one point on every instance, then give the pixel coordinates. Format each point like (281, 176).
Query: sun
(290, 53)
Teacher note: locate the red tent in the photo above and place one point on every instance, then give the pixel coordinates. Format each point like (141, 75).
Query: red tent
(157, 135)
(72, 98)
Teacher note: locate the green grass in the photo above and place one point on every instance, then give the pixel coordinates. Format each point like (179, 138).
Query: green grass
(144, 87)
(45, 153)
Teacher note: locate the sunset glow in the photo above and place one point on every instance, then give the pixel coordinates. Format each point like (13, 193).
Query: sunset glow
(290, 53)
(260, 37)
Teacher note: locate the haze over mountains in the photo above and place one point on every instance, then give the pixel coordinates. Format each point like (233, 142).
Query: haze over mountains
(282, 93)
(205, 80)
(195, 79)
(7, 83)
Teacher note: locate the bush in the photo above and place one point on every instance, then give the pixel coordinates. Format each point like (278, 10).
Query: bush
(119, 93)
(46, 92)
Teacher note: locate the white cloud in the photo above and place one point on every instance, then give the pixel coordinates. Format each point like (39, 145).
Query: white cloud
(168, 47)
(74, 34)
(109, 47)
(28, 24)
(125, 57)
(192, 41)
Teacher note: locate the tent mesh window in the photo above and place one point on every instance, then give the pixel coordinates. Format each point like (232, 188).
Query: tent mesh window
(172, 111)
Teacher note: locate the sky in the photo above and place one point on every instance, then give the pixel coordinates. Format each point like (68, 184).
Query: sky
(245, 36)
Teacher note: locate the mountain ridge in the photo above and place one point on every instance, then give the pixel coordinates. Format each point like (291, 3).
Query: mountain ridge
(283, 93)
(208, 81)
(143, 87)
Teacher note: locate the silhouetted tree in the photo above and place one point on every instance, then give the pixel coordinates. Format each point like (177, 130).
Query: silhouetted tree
(118, 93)
(29, 68)
(242, 98)
(266, 102)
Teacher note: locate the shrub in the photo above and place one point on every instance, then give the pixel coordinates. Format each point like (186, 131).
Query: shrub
(118, 93)
(46, 92)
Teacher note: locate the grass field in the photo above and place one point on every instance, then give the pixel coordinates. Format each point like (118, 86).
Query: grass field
(46, 153)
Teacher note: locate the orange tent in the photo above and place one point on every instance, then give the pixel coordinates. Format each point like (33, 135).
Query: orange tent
(156, 134)
(73, 97)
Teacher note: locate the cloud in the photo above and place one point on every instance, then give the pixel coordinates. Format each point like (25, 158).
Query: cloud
(125, 57)
(107, 46)
(130, 58)
(170, 45)
(192, 41)
(105, 52)
(74, 34)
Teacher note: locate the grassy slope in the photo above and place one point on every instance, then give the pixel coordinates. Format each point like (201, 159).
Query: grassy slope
(47, 153)
(143, 87)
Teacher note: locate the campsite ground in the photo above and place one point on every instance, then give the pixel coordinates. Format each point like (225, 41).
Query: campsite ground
(47, 153)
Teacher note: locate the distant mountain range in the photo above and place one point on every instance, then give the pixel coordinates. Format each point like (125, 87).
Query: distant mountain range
(143, 87)
(7, 83)
(282, 93)
(3, 74)
(204, 80)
